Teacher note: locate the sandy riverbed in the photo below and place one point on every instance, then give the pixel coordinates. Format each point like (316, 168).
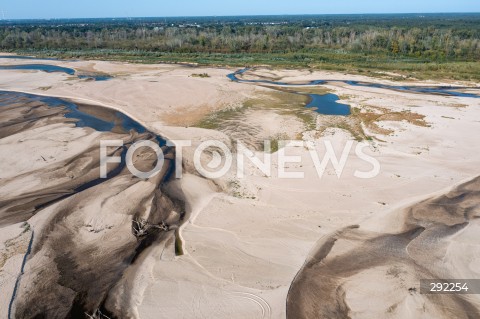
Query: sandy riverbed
(247, 239)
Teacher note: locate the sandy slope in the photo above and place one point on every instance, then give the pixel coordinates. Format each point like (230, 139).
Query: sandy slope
(372, 273)
(241, 254)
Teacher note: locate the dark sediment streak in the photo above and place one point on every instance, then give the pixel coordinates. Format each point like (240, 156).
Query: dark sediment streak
(66, 274)
(318, 290)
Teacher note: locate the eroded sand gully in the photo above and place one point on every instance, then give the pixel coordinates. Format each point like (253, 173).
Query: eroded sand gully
(82, 224)
(422, 248)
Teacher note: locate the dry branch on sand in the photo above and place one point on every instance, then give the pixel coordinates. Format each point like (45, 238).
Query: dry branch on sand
(97, 315)
(141, 227)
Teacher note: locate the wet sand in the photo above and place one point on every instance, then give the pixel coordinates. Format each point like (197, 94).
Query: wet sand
(81, 224)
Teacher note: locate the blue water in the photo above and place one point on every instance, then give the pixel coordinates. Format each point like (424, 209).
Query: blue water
(82, 119)
(439, 90)
(97, 78)
(322, 103)
(233, 77)
(53, 68)
(328, 104)
(39, 67)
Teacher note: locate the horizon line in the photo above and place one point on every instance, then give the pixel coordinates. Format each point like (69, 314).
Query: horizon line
(240, 15)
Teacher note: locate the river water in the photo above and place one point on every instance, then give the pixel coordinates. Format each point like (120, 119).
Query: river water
(49, 68)
(327, 104)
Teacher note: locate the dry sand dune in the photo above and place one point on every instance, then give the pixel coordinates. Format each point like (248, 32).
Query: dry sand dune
(420, 251)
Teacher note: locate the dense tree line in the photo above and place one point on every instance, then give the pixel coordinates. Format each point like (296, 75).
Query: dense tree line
(455, 38)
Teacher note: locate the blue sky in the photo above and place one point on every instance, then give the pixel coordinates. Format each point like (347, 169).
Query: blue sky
(20, 9)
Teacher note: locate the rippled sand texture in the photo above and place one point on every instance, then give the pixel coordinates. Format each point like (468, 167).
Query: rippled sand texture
(437, 240)
(82, 226)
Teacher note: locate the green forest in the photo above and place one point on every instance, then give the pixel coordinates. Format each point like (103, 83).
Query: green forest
(446, 44)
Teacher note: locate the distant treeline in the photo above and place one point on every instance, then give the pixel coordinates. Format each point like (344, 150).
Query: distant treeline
(435, 37)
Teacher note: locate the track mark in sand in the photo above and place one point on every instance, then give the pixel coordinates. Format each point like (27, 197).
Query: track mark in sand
(262, 303)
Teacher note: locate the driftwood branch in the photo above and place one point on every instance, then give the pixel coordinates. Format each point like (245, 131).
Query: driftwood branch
(141, 227)
(97, 315)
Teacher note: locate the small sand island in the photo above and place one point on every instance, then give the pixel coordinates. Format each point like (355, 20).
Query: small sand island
(299, 242)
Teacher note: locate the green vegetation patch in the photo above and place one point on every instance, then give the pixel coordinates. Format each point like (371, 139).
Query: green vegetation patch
(200, 75)
(369, 117)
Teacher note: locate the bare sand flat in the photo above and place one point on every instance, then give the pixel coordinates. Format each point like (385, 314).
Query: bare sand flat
(245, 240)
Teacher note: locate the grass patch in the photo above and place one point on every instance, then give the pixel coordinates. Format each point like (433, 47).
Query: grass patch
(288, 102)
(200, 75)
(344, 97)
(238, 191)
(348, 124)
(282, 102)
(275, 142)
(215, 120)
(369, 117)
(235, 124)
(313, 90)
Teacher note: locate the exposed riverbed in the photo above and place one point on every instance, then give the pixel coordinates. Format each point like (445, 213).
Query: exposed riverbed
(327, 103)
(85, 242)
(51, 68)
